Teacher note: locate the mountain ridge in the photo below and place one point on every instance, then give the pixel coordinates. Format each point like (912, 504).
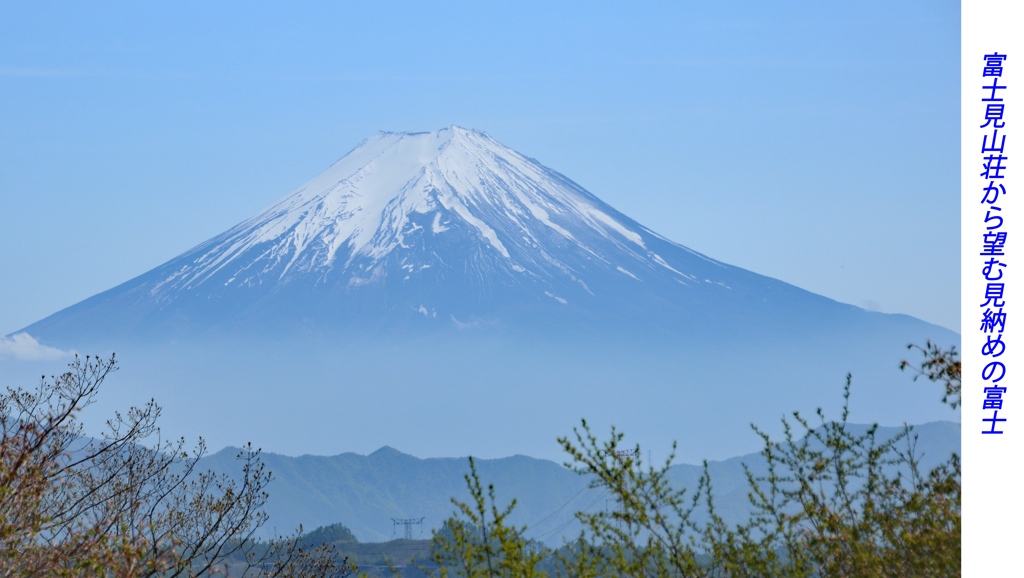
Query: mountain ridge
(431, 231)
(365, 491)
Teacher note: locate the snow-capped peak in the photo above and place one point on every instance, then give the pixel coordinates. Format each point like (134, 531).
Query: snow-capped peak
(445, 230)
(396, 185)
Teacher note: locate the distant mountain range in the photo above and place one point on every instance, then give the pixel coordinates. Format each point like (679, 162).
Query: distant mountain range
(365, 492)
(443, 293)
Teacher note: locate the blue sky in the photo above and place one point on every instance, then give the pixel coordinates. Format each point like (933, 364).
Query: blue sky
(813, 143)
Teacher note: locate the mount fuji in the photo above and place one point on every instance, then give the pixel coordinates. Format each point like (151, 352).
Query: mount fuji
(433, 231)
(422, 265)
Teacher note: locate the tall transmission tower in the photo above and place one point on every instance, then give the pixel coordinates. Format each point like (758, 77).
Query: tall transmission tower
(408, 523)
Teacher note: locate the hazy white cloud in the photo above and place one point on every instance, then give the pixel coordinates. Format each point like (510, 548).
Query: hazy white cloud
(462, 325)
(24, 346)
(473, 323)
(872, 305)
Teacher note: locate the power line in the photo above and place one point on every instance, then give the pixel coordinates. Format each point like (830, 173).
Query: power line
(557, 530)
(559, 509)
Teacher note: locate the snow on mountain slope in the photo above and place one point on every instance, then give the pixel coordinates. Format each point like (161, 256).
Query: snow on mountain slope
(448, 227)
(378, 199)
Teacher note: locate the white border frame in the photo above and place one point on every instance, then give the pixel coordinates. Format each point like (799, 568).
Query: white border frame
(993, 465)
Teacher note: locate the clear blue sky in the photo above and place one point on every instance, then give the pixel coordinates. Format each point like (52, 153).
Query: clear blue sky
(814, 143)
